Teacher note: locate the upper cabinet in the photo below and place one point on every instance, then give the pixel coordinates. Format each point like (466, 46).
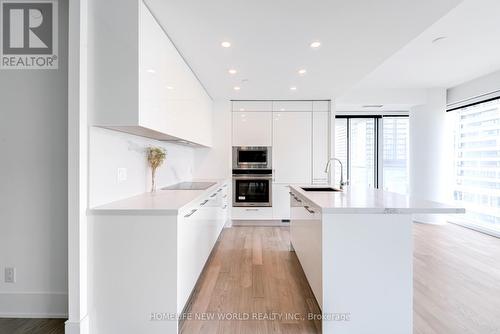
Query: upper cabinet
(252, 128)
(252, 106)
(142, 84)
(292, 105)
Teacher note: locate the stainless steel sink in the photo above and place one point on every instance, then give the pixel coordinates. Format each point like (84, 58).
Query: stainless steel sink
(319, 189)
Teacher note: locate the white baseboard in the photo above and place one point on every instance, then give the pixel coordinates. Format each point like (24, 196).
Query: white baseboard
(33, 305)
(80, 327)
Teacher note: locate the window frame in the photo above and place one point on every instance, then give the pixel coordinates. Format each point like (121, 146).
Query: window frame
(378, 156)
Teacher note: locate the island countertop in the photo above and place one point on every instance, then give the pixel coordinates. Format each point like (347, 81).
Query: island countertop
(359, 200)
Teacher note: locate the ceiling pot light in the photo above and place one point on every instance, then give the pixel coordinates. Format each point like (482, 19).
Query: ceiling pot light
(302, 71)
(169, 87)
(293, 88)
(151, 70)
(232, 71)
(225, 44)
(236, 87)
(315, 44)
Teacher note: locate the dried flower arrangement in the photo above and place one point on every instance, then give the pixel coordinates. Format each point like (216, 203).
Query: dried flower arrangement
(156, 157)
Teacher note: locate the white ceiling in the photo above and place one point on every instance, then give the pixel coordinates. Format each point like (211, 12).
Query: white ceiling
(471, 50)
(270, 41)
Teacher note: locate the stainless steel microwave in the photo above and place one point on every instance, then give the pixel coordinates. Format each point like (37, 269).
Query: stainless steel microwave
(252, 157)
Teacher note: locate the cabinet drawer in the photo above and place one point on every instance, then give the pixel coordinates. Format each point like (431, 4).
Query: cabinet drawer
(252, 213)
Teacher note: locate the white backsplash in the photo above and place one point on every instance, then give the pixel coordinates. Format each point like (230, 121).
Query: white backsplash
(110, 150)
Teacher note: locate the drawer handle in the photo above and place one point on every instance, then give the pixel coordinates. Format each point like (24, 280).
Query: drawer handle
(204, 202)
(224, 196)
(224, 186)
(191, 213)
(219, 190)
(213, 195)
(251, 209)
(308, 210)
(224, 207)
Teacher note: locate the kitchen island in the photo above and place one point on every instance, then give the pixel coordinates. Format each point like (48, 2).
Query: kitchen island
(356, 249)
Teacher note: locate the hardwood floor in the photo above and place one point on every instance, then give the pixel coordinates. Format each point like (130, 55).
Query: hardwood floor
(456, 283)
(252, 273)
(31, 326)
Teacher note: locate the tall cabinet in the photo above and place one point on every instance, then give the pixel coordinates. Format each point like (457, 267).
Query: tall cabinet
(299, 133)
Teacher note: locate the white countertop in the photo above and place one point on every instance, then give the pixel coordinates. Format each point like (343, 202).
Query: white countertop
(371, 201)
(164, 202)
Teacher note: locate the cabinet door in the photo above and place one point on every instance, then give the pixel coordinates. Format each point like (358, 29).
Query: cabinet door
(320, 147)
(292, 152)
(292, 105)
(281, 201)
(252, 128)
(252, 106)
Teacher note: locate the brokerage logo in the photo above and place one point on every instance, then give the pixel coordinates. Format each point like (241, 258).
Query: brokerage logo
(28, 34)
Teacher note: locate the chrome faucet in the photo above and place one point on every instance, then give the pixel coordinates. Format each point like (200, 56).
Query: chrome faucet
(327, 169)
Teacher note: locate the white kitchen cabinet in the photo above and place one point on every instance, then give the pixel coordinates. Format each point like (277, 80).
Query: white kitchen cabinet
(142, 84)
(252, 106)
(306, 239)
(281, 201)
(321, 105)
(252, 128)
(252, 213)
(320, 146)
(292, 153)
(292, 105)
(150, 259)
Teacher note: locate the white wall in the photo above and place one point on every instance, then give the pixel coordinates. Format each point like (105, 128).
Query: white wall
(216, 161)
(33, 186)
(431, 152)
(110, 150)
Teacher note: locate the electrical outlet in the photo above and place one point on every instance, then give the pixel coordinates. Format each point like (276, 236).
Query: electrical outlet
(121, 175)
(10, 275)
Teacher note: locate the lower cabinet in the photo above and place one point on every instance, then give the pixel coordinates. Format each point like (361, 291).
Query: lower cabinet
(306, 240)
(145, 265)
(281, 201)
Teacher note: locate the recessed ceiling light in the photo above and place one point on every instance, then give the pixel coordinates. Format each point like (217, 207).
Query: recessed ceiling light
(315, 44)
(373, 106)
(225, 44)
(242, 109)
(302, 71)
(232, 71)
(236, 87)
(282, 109)
(438, 39)
(293, 88)
(170, 87)
(151, 71)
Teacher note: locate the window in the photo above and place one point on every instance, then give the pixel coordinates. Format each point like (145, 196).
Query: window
(395, 154)
(477, 163)
(374, 151)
